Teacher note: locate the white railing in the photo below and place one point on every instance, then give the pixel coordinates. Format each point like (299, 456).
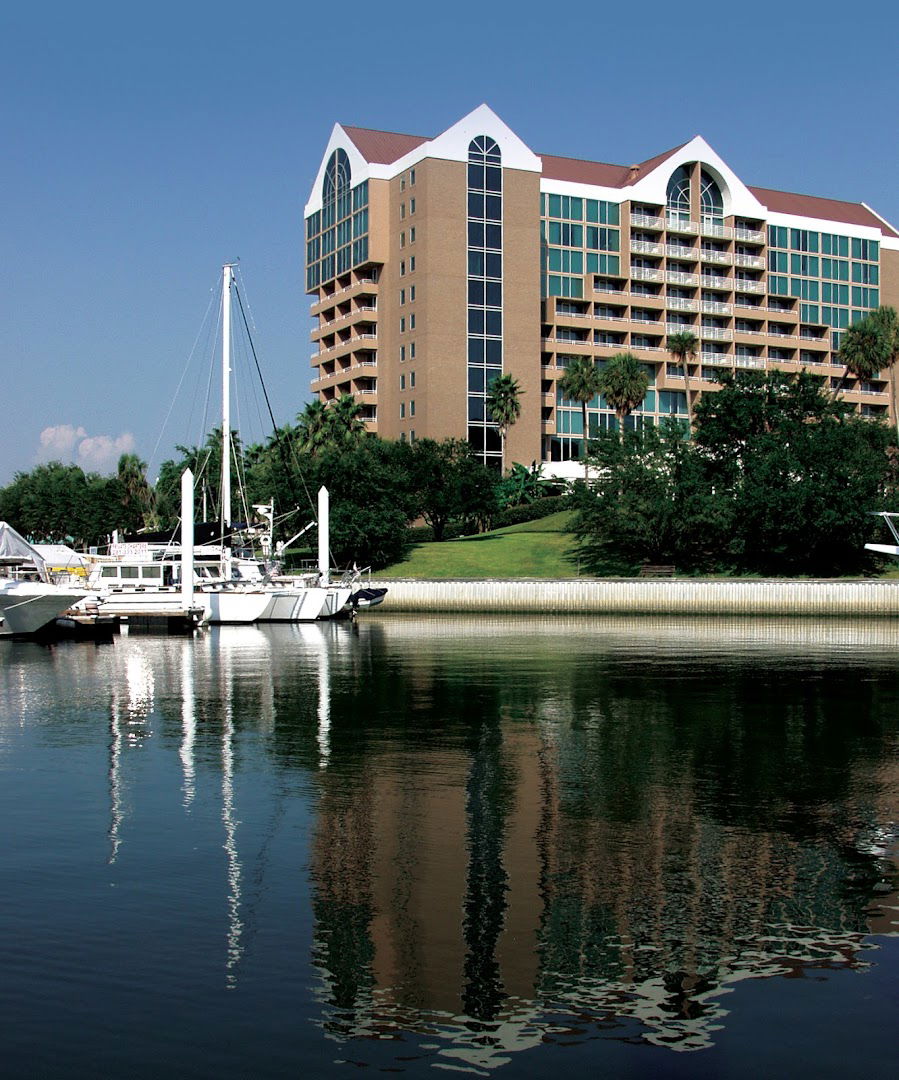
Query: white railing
(347, 289)
(641, 273)
(748, 362)
(679, 328)
(742, 285)
(367, 391)
(646, 348)
(711, 282)
(713, 307)
(754, 261)
(716, 333)
(645, 221)
(675, 226)
(678, 277)
(713, 228)
(716, 359)
(561, 312)
(752, 235)
(677, 303)
(611, 318)
(752, 333)
(646, 247)
(722, 258)
(681, 251)
(779, 334)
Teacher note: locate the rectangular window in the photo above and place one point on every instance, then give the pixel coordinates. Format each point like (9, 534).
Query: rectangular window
(411, 264)
(412, 351)
(411, 293)
(402, 410)
(402, 382)
(402, 268)
(832, 244)
(402, 296)
(411, 206)
(865, 273)
(411, 380)
(865, 249)
(402, 239)
(403, 325)
(412, 177)
(803, 240)
(402, 210)
(411, 408)
(777, 261)
(777, 236)
(402, 353)
(862, 297)
(412, 235)
(806, 265)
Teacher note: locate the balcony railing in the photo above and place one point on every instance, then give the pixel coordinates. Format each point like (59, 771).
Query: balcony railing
(714, 228)
(716, 333)
(642, 273)
(645, 221)
(754, 261)
(681, 251)
(716, 359)
(679, 328)
(753, 236)
(749, 362)
(713, 307)
(646, 247)
(678, 277)
(709, 281)
(675, 226)
(720, 258)
(677, 303)
(742, 285)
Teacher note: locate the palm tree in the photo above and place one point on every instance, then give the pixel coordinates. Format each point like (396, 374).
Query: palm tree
(312, 427)
(504, 406)
(581, 383)
(346, 423)
(887, 321)
(683, 347)
(865, 350)
(138, 497)
(623, 382)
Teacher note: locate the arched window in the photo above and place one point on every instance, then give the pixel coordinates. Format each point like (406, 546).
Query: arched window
(483, 148)
(711, 202)
(678, 198)
(337, 176)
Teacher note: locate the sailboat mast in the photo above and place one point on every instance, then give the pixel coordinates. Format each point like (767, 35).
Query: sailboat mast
(227, 277)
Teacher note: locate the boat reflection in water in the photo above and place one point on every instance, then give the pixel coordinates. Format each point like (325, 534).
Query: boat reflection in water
(531, 831)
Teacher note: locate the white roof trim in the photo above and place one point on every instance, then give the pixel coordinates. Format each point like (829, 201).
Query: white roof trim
(359, 167)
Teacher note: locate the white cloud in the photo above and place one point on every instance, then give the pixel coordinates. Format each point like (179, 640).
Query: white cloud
(94, 453)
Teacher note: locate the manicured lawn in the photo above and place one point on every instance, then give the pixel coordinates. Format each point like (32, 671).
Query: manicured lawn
(535, 549)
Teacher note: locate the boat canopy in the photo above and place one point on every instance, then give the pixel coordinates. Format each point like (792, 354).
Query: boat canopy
(15, 550)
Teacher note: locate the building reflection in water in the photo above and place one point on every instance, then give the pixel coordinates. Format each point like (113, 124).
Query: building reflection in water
(594, 843)
(523, 827)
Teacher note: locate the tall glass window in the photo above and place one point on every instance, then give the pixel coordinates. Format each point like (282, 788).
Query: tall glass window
(485, 292)
(711, 202)
(337, 235)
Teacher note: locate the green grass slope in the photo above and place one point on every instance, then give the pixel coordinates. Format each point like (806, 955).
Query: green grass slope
(534, 549)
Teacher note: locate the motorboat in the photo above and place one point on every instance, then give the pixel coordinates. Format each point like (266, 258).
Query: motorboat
(887, 549)
(29, 601)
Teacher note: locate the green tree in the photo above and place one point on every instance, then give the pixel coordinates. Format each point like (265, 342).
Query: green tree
(623, 382)
(865, 350)
(886, 320)
(504, 407)
(59, 503)
(580, 382)
(449, 484)
(138, 497)
(683, 347)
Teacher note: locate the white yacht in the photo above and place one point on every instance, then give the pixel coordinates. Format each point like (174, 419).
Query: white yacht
(28, 600)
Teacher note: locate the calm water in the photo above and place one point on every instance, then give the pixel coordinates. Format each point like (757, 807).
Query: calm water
(506, 847)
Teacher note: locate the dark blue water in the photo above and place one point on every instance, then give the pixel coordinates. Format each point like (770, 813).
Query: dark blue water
(510, 847)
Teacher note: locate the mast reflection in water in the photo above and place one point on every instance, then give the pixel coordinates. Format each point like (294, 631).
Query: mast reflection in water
(422, 842)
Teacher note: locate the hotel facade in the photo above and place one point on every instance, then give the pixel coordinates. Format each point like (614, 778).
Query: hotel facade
(436, 264)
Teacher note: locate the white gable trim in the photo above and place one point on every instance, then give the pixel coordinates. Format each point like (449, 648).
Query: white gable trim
(359, 167)
(738, 199)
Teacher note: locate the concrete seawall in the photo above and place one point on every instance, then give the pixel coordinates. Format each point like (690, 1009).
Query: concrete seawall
(631, 596)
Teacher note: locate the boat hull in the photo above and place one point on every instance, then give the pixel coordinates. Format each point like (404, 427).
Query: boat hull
(28, 606)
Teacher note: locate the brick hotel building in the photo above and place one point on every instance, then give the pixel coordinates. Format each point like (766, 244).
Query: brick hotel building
(436, 264)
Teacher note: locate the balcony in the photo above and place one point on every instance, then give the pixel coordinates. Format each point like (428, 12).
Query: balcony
(646, 247)
(749, 235)
(744, 285)
(714, 228)
(749, 362)
(755, 262)
(718, 359)
(713, 307)
(640, 273)
(709, 281)
(675, 226)
(678, 277)
(677, 303)
(681, 251)
(715, 333)
(644, 221)
(679, 328)
(719, 258)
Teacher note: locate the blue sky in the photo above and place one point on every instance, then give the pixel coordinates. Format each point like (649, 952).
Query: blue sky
(146, 144)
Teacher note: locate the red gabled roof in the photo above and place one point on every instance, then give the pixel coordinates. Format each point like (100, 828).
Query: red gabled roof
(383, 147)
(787, 202)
